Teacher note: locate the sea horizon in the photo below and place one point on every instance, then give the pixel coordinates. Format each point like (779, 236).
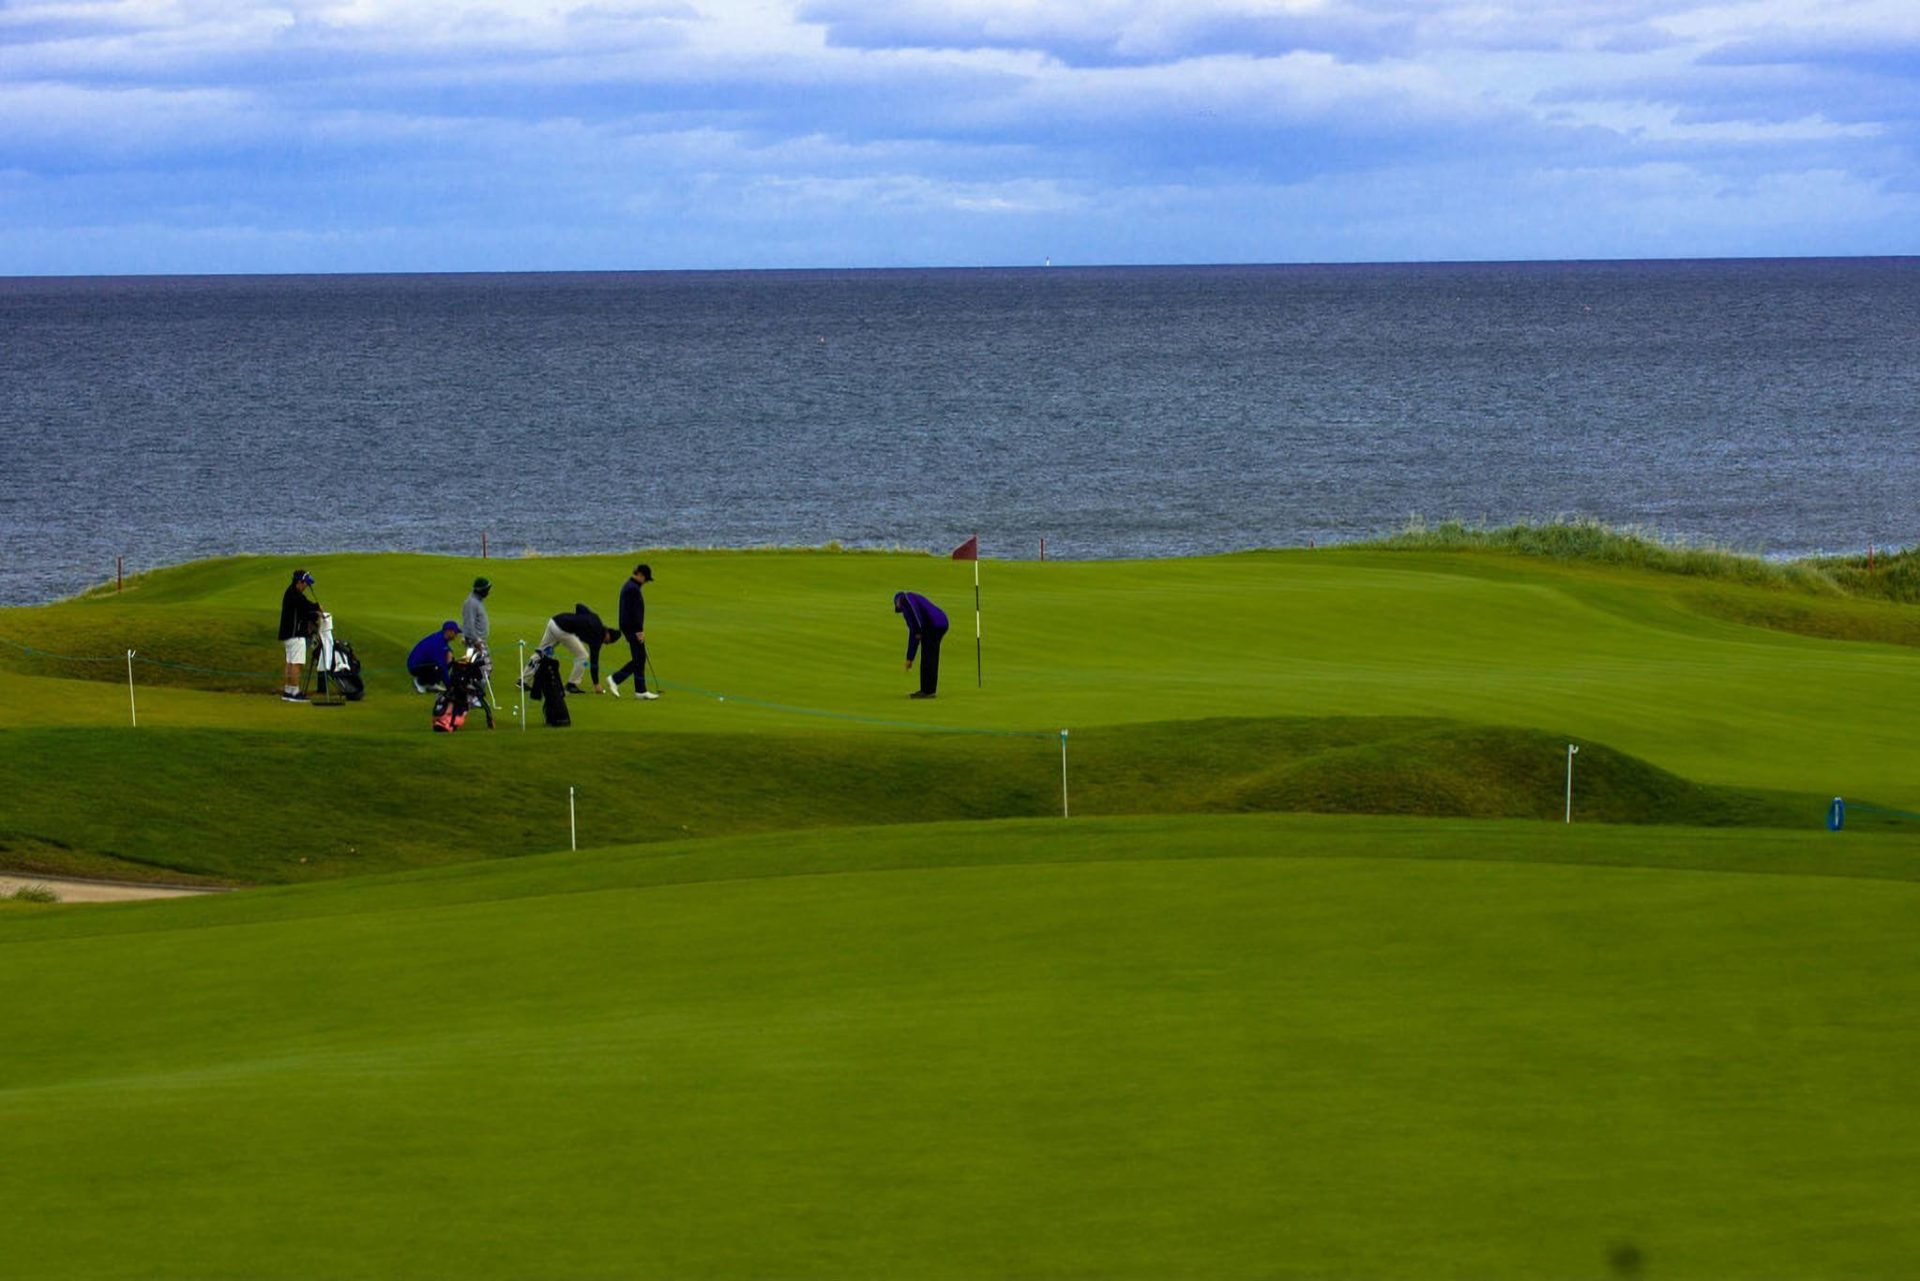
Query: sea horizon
(1759, 405)
(1210, 265)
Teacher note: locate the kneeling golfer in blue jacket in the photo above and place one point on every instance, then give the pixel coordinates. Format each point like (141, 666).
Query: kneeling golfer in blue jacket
(926, 628)
(427, 664)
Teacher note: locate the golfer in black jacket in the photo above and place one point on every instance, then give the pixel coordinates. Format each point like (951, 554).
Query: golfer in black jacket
(581, 634)
(633, 626)
(299, 615)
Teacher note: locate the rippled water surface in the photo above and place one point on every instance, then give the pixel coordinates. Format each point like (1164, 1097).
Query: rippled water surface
(1772, 406)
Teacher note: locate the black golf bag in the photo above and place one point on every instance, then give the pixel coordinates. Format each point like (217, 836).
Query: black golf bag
(466, 689)
(336, 668)
(344, 675)
(547, 686)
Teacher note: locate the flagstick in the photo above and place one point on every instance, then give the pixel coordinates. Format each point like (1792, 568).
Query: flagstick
(979, 678)
(133, 712)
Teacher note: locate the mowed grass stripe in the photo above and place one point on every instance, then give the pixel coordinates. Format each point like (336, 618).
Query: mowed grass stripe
(1092, 1062)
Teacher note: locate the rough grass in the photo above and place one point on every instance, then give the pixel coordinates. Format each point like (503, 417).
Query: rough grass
(1891, 576)
(1596, 542)
(1833, 597)
(46, 856)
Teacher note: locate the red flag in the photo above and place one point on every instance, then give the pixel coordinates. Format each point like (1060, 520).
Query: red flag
(969, 550)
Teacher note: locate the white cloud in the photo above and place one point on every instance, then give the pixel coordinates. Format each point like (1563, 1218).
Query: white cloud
(932, 121)
(914, 192)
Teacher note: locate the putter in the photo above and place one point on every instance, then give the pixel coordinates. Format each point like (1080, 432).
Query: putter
(655, 674)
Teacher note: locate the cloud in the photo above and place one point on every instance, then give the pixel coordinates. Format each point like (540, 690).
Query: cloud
(737, 131)
(1101, 32)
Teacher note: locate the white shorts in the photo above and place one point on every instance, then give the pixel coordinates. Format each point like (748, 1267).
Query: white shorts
(297, 650)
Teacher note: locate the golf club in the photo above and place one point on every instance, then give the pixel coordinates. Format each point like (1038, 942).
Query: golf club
(654, 672)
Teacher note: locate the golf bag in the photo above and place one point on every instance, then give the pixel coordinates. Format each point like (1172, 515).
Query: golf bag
(344, 675)
(449, 712)
(466, 689)
(547, 686)
(336, 668)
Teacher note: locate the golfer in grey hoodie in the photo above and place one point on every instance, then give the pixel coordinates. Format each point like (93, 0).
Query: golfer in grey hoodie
(473, 621)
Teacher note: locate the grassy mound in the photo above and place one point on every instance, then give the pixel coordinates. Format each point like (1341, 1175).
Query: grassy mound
(1152, 1047)
(1449, 770)
(1886, 576)
(252, 807)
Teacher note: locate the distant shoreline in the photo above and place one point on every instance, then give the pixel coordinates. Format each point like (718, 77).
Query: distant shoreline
(978, 269)
(1572, 539)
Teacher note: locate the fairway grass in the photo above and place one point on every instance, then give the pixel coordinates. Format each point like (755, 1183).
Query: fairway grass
(1174, 1046)
(1316, 982)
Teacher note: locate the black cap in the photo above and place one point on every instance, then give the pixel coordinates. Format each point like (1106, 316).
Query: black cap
(302, 576)
(644, 570)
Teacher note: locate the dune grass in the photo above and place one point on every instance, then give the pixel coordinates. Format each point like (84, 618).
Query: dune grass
(1154, 1047)
(1886, 575)
(1596, 542)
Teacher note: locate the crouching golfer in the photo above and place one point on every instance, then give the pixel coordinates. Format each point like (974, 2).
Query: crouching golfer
(299, 616)
(926, 628)
(581, 634)
(427, 664)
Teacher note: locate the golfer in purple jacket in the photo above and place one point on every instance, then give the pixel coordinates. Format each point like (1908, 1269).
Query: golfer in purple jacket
(926, 628)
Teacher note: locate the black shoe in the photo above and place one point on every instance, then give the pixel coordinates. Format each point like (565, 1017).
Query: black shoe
(920, 693)
(574, 689)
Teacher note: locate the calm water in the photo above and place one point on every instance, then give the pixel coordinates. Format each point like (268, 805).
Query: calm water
(1772, 406)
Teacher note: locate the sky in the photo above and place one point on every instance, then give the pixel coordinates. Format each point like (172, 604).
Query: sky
(188, 136)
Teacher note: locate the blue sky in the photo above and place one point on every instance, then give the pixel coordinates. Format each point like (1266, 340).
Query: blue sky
(415, 135)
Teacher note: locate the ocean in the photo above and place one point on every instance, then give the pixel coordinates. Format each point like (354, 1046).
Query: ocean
(1768, 406)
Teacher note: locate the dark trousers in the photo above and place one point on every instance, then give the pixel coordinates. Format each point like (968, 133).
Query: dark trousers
(930, 659)
(426, 673)
(637, 668)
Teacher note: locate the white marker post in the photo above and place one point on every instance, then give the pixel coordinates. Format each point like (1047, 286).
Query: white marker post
(132, 711)
(1572, 751)
(523, 685)
(1064, 812)
(573, 832)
